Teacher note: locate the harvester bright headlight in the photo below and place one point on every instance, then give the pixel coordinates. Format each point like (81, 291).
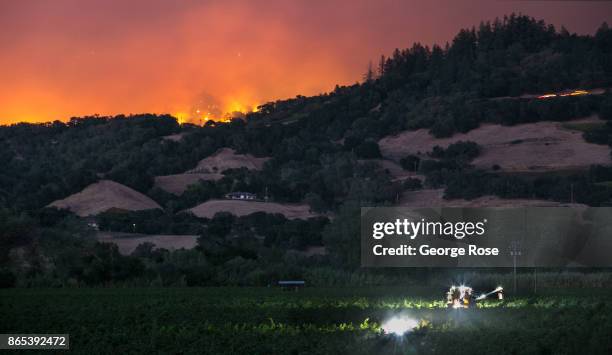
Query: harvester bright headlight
(497, 291)
(399, 325)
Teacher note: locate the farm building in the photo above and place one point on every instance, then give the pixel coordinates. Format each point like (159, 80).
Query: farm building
(92, 223)
(240, 196)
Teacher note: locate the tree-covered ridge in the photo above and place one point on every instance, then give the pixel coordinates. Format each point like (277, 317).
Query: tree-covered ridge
(323, 152)
(508, 57)
(316, 142)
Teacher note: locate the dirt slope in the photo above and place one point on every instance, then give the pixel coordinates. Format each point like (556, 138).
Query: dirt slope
(209, 168)
(243, 208)
(104, 195)
(226, 158)
(533, 147)
(177, 137)
(434, 198)
(396, 172)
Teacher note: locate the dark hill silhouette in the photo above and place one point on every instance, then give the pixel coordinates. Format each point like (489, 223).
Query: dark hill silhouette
(321, 147)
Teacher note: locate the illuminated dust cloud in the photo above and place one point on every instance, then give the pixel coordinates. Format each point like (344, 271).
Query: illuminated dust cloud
(399, 325)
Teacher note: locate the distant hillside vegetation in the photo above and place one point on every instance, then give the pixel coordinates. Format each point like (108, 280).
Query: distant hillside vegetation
(496, 117)
(318, 144)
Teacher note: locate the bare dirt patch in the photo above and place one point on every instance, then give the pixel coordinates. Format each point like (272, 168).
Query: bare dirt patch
(177, 137)
(177, 184)
(315, 250)
(395, 170)
(127, 242)
(104, 195)
(210, 169)
(243, 208)
(226, 158)
(435, 198)
(541, 146)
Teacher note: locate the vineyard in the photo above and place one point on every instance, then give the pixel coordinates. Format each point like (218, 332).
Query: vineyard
(311, 321)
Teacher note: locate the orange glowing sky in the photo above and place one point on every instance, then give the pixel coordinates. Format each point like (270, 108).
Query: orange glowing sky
(63, 58)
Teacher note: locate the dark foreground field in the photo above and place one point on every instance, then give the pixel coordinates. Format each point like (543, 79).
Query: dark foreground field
(312, 321)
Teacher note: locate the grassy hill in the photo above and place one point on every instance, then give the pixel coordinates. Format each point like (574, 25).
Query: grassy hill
(209, 208)
(541, 146)
(105, 195)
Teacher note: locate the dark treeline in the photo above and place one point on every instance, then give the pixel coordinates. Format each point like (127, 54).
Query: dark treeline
(55, 248)
(451, 169)
(45, 162)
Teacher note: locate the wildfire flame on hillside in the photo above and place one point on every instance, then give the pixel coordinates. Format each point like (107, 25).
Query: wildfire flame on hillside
(207, 108)
(564, 94)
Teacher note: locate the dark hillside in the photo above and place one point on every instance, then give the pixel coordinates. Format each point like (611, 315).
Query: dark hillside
(323, 152)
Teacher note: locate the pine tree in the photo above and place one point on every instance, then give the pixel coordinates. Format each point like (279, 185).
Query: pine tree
(368, 77)
(381, 66)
